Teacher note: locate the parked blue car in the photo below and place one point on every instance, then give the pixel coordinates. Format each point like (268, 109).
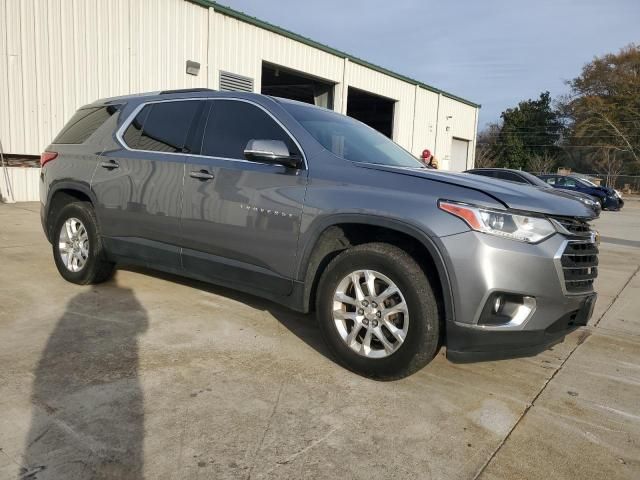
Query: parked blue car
(609, 198)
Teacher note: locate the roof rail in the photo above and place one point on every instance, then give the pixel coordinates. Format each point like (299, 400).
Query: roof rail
(185, 90)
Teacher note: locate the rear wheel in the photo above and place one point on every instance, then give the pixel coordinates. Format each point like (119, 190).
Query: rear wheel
(378, 312)
(77, 246)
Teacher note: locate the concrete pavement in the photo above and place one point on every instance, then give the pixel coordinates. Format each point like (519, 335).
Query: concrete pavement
(150, 376)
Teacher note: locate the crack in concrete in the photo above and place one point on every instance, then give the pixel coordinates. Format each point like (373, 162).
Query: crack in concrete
(585, 333)
(266, 430)
(615, 299)
(529, 406)
(293, 456)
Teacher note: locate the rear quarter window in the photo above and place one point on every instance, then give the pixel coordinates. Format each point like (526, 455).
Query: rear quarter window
(84, 123)
(162, 127)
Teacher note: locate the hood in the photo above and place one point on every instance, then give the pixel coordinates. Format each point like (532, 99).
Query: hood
(512, 195)
(572, 194)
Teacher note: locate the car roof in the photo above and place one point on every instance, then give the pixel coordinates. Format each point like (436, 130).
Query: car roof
(181, 94)
(493, 169)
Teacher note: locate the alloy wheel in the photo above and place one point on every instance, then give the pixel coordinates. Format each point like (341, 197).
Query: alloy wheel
(370, 314)
(73, 245)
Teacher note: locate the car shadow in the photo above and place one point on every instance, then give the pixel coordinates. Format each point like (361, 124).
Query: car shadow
(87, 401)
(304, 326)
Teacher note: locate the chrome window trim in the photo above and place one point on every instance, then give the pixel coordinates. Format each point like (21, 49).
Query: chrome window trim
(120, 132)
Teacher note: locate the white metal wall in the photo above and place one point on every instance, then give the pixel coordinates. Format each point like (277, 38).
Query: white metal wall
(425, 121)
(19, 184)
(57, 55)
(459, 120)
(239, 47)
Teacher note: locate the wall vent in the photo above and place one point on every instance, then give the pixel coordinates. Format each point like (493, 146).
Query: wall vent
(230, 82)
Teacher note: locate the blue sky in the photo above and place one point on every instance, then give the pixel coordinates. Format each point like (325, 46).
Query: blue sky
(493, 52)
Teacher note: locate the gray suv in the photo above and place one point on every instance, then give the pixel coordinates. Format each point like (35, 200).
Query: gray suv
(317, 211)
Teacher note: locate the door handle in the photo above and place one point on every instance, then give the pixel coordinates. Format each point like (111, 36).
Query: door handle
(110, 165)
(201, 175)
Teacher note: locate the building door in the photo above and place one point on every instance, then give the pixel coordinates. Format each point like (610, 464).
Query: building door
(371, 109)
(459, 155)
(286, 83)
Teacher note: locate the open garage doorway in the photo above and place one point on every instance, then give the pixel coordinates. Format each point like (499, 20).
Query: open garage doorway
(285, 83)
(374, 110)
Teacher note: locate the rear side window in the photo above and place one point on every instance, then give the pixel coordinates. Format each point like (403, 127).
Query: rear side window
(161, 127)
(483, 173)
(84, 123)
(231, 124)
(510, 176)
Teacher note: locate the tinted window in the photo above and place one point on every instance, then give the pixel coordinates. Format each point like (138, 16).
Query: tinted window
(533, 180)
(84, 123)
(550, 180)
(232, 124)
(134, 130)
(510, 176)
(162, 127)
(483, 173)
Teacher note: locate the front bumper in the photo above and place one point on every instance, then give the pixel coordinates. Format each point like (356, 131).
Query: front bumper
(483, 265)
(471, 344)
(613, 203)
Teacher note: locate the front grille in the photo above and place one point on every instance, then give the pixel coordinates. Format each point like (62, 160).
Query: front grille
(580, 257)
(574, 226)
(580, 265)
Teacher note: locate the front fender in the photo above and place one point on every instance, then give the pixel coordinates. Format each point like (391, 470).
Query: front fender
(321, 224)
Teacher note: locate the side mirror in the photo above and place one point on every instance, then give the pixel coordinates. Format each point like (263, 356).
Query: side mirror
(271, 151)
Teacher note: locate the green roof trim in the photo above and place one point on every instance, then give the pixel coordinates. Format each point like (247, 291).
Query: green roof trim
(243, 17)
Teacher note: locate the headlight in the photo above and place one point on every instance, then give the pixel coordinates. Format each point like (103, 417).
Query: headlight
(586, 201)
(618, 193)
(523, 228)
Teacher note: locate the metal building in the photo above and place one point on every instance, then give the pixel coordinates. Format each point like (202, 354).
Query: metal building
(57, 55)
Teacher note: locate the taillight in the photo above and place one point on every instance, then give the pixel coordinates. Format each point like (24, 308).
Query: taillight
(46, 157)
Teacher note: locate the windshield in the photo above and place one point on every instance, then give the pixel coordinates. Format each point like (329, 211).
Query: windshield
(538, 182)
(585, 181)
(350, 139)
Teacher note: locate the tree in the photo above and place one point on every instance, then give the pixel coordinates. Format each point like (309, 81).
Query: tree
(486, 155)
(604, 106)
(544, 163)
(533, 128)
(609, 164)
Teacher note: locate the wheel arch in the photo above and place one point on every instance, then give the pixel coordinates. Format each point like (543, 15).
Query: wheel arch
(60, 195)
(337, 233)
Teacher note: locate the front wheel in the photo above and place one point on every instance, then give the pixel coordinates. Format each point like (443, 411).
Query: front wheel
(378, 312)
(77, 246)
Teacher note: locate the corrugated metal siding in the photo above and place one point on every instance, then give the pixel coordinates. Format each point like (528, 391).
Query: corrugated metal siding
(19, 184)
(425, 122)
(455, 119)
(240, 48)
(56, 55)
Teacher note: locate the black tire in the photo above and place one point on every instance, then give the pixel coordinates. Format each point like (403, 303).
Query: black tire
(97, 268)
(422, 338)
